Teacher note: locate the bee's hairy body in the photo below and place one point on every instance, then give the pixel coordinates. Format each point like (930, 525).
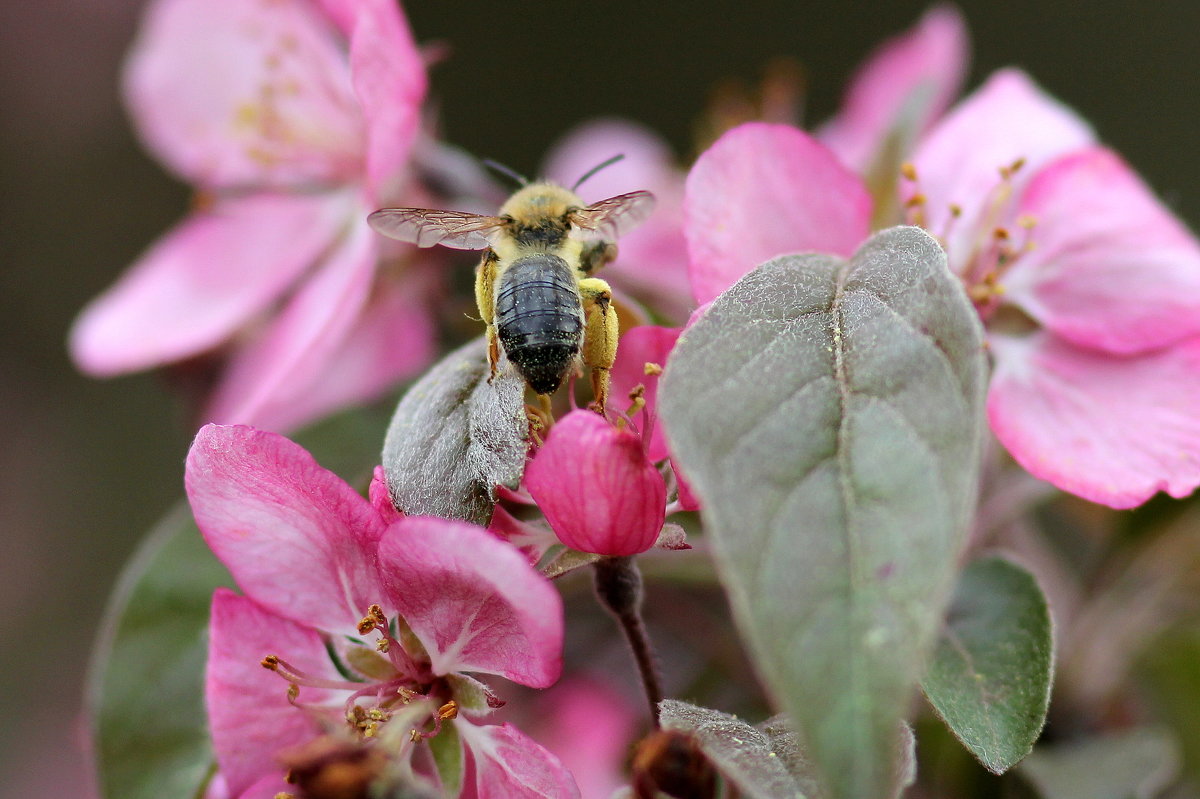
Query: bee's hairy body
(534, 292)
(534, 286)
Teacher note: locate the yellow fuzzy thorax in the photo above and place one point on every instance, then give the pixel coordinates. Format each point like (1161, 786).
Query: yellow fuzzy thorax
(540, 201)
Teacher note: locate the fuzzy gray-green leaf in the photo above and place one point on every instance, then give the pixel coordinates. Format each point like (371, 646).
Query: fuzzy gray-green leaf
(829, 415)
(742, 754)
(990, 675)
(455, 436)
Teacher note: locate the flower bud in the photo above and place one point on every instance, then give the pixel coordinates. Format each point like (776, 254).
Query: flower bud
(597, 488)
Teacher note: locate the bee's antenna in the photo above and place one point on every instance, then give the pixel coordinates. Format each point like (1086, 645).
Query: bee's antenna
(597, 168)
(507, 172)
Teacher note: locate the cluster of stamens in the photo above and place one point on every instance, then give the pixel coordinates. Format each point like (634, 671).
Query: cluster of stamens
(407, 683)
(994, 251)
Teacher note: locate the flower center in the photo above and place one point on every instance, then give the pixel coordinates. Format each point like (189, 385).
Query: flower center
(984, 258)
(381, 680)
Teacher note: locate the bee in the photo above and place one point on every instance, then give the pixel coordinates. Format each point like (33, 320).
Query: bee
(534, 285)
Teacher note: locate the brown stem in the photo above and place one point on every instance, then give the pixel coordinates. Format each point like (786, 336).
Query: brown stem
(619, 589)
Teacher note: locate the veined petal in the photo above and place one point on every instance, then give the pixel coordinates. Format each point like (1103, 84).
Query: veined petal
(1111, 429)
(764, 190)
(297, 539)
(230, 93)
(204, 279)
(276, 369)
(511, 765)
(959, 162)
(392, 339)
(596, 487)
(249, 714)
(907, 83)
(474, 602)
(653, 257)
(1113, 269)
(638, 347)
(389, 79)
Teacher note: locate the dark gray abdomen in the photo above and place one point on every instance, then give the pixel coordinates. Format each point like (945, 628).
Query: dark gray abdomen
(540, 319)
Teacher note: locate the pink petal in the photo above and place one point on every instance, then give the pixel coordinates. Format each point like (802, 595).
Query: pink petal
(1111, 429)
(1113, 269)
(590, 727)
(906, 84)
(764, 190)
(204, 279)
(473, 600)
(959, 162)
(275, 370)
(248, 711)
(381, 498)
(297, 539)
(596, 487)
(268, 788)
(511, 765)
(389, 79)
(229, 93)
(530, 540)
(652, 259)
(393, 339)
(638, 347)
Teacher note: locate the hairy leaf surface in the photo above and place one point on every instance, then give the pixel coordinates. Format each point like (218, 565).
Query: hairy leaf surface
(991, 671)
(455, 437)
(829, 414)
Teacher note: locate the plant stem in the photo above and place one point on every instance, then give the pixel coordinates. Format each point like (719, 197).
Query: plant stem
(619, 589)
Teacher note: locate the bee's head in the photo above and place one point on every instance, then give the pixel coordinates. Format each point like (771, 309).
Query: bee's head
(541, 203)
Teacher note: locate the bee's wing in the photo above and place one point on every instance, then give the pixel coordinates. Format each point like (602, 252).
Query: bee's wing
(425, 227)
(616, 216)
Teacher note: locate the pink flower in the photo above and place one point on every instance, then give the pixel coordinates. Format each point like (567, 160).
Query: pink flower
(1095, 332)
(652, 260)
(292, 120)
(596, 486)
(369, 624)
(900, 91)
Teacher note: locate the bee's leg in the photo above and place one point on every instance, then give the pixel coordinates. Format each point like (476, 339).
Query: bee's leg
(599, 335)
(485, 282)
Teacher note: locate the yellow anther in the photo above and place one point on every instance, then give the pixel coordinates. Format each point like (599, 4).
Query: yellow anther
(652, 369)
(382, 645)
(366, 625)
(448, 711)
(376, 612)
(1027, 221)
(414, 736)
(908, 170)
(406, 694)
(916, 200)
(270, 662)
(955, 210)
(293, 692)
(1001, 234)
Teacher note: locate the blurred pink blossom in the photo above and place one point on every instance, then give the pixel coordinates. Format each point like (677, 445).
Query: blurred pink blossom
(652, 260)
(900, 90)
(1094, 332)
(321, 570)
(596, 486)
(292, 120)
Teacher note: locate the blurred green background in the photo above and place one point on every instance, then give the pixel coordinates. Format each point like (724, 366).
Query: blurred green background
(88, 466)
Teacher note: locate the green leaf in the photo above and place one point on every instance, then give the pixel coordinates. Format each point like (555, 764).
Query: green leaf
(991, 672)
(146, 683)
(145, 691)
(742, 754)
(1137, 764)
(829, 415)
(456, 435)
